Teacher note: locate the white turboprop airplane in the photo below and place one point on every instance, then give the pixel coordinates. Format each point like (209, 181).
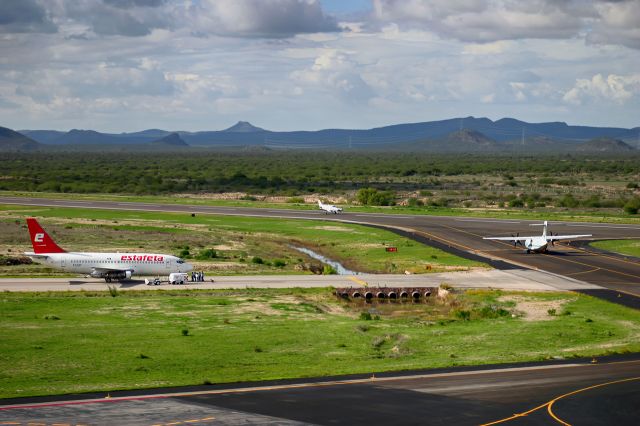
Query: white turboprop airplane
(329, 208)
(539, 243)
(110, 266)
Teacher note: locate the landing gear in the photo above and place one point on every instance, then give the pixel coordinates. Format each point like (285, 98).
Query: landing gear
(107, 279)
(528, 251)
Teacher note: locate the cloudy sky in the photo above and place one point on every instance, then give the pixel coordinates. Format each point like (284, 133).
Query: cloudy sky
(128, 65)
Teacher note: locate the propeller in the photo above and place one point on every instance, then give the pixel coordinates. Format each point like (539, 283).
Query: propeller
(552, 241)
(516, 241)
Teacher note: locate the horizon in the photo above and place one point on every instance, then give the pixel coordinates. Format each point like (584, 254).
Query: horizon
(115, 66)
(311, 130)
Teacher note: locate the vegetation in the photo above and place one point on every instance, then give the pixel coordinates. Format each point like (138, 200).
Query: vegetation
(220, 245)
(418, 180)
(627, 247)
(152, 339)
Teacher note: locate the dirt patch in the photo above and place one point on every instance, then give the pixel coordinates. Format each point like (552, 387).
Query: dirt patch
(535, 310)
(335, 228)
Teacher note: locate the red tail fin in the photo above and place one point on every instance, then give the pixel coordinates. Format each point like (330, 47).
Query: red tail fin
(41, 241)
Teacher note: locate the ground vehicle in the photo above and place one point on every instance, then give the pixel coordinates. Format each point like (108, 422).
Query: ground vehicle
(177, 278)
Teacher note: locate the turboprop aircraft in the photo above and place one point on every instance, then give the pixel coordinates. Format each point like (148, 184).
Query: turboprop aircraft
(110, 266)
(329, 208)
(539, 243)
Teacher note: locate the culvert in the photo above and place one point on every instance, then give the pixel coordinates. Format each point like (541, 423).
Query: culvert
(393, 295)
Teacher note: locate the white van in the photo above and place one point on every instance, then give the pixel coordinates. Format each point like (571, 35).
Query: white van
(177, 278)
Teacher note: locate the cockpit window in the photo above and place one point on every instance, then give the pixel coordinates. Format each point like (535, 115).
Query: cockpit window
(179, 261)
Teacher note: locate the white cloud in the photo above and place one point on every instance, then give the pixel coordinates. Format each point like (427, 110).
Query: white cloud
(615, 88)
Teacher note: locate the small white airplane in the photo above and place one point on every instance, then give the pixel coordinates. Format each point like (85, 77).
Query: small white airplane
(110, 266)
(329, 208)
(539, 243)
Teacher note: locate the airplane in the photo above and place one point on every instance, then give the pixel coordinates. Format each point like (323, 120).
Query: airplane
(329, 208)
(110, 266)
(537, 244)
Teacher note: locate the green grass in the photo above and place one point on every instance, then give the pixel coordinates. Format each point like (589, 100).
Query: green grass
(628, 247)
(56, 343)
(357, 247)
(554, 214)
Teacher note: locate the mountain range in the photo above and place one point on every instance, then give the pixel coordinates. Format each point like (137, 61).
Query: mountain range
(453, 135)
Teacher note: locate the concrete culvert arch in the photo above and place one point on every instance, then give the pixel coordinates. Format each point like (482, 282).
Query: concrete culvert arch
(415, 294)
(393, 295)
(356, 294)
(381, 295)
(368, 295)
(404, 294)
(427, 293)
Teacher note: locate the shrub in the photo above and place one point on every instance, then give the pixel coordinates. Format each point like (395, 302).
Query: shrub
(632, 206)
(185, 331)
(373, 197)
(329, 270)
(278, 263)
(113, 290)
(551, 311)
(366, 316)
(207, 254)
(464, 315)
(257, 260)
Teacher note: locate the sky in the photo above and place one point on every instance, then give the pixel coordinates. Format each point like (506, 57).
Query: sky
(130, 65)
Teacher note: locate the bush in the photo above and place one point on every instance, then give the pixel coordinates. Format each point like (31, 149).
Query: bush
(207, 254)
(463, 315)
(278, 263)
(632, 206)
(113, 290)
(373, 197)
(329, 270)
(257, 260)
(185, 331)
(365, 316)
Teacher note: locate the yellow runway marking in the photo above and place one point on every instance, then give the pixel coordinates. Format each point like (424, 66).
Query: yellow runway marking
(358, 281)
(583, 272)
(549, 404)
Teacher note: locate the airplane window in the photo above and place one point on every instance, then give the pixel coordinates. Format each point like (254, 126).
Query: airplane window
(179, 261)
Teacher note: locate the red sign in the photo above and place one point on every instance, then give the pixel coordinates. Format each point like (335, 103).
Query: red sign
(394, 249)
(144, 258)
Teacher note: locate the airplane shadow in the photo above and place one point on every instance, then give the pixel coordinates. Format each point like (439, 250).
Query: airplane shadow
(128, 283)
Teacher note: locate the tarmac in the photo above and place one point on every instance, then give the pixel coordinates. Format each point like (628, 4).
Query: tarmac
(512, 279)
(584, 391)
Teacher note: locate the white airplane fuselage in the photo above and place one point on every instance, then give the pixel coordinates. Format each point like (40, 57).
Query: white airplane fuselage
(136, 263)
(536, 244)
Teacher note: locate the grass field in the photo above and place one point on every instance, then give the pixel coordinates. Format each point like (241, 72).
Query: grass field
(236, 241)
(558, 214)
(77, 342)
(628, 247)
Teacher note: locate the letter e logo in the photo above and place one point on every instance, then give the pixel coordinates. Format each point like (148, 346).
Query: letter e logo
(39, 238)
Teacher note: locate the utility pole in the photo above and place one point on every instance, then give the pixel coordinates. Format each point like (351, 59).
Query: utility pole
(522, 136)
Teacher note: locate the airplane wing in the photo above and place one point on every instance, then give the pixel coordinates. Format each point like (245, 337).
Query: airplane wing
(566, 237)
(507, 238)
(102, 270)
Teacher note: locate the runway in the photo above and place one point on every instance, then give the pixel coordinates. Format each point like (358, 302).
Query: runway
(460, 235)
(574, 392)
(512, 279)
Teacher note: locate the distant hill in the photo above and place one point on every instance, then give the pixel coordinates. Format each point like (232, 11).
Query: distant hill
(605, 145)
(443, 135)
(469, 140)
(13, 141)
(171, 140)
(243, 127)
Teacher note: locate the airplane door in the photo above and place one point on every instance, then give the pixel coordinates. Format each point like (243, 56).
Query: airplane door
(63, 263)
(166, 264)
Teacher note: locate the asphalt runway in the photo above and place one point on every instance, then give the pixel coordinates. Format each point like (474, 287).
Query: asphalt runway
(511, 279)
(574, 392)
(460, 235)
